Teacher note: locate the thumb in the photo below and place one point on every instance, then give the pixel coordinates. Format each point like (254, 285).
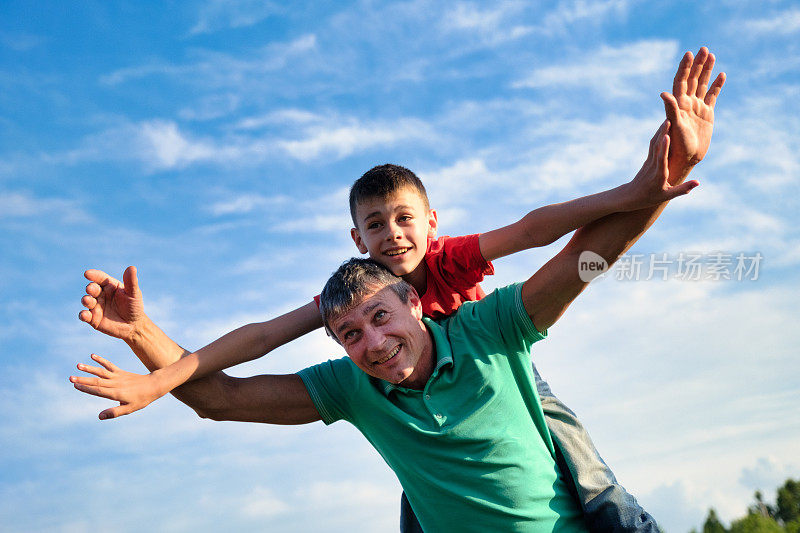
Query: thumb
(131, 281)
(683, 188)
(671, 107)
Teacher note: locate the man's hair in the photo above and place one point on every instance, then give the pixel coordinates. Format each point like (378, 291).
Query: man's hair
(352, 281)
(381, 182)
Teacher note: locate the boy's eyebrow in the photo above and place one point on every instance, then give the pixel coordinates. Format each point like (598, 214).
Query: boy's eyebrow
(377, 213)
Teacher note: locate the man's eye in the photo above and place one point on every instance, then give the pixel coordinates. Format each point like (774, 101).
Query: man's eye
(380, 315)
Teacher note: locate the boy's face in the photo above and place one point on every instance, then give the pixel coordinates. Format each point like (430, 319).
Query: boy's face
(394, 231)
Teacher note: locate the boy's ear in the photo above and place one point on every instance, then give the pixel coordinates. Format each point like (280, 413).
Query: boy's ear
(433, 223)
(357, 239)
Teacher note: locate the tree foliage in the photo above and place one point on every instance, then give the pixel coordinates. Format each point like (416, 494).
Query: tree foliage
(763, 517)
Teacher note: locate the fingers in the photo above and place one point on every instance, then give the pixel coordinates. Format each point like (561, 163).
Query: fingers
(681, 77)
(683, 188)
(85, 316)
(671, 107)
(716, 88)
(697, 68)
(115, 412)
(656, 138)
(662, 157)
(95, 371)
(705, 75)
(101, 278)
(108, 365)
(131, 281)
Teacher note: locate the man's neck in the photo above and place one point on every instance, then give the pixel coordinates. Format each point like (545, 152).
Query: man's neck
(424, 367)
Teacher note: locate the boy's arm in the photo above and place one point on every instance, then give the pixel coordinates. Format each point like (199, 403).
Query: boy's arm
(117, 309)
(547, 224)
(690, 114)
(548, 293)
(271, 399)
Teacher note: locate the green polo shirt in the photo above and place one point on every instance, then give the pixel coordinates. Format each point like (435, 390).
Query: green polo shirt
(471, 450)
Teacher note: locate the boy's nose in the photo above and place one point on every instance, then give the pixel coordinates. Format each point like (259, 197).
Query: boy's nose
(394, 232)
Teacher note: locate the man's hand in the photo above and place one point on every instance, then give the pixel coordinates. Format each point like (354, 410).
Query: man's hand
(112, 307)
(132, 391)
(690, 109)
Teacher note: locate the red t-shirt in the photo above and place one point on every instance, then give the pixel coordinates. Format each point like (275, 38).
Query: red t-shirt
(455, 269)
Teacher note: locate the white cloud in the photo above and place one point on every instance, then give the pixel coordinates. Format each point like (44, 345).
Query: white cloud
(339, 141)
(785, 23)
(218, 15)
(263, 503)
(611, 71)
(215, 69)
(578, 10)
(495, 24)
(246, 203)
(25, 205)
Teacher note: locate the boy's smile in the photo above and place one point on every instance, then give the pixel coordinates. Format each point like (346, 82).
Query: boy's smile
(394, 231)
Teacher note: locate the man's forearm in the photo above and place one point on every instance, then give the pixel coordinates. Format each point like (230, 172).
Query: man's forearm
(156, 350)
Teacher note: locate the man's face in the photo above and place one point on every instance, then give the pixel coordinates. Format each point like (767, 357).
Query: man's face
(395, 230)
(386, 338)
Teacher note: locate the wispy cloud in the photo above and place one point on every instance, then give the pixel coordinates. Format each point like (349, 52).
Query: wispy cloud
(783, 23)
(14, 205)
(495, 24)
(220, 69)
(609, 70)
(218, 15)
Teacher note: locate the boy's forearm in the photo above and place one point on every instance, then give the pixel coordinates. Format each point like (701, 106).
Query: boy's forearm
(545, 225)
(241, 345)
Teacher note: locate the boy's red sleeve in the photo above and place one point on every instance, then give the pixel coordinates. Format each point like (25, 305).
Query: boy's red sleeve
(458, 261)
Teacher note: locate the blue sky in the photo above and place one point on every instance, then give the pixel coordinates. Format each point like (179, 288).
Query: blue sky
(212, 144)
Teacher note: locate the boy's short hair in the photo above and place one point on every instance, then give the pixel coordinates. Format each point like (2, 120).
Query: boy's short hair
(381, 182)
(353, 280)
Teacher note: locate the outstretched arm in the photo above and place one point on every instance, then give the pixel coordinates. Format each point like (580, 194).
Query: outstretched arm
(549, 292)
(117, 309)
(546, 224)
(272, 399)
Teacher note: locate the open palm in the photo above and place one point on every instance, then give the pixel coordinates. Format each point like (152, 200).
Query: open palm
(690, 107)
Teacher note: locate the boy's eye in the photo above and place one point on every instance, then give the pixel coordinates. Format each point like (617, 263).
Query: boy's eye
(405, 218)
(373, 225)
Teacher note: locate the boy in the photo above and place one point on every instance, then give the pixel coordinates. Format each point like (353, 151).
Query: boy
(395, 225)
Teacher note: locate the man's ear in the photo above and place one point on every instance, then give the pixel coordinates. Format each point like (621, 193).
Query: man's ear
(357, 239)
(433, 223)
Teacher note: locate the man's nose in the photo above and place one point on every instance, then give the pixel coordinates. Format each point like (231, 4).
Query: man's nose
(375, 339)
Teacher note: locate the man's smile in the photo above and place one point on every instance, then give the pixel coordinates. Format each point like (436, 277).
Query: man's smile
(389, 355)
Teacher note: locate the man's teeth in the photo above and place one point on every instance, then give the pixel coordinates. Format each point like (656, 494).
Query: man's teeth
(397, 251)
(389, 355)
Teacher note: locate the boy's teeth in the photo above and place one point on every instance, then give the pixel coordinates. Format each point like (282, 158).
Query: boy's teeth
(397, 251)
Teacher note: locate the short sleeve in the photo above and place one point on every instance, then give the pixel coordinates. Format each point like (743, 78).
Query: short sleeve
(458, 260)
(500, 316)
(328, 384)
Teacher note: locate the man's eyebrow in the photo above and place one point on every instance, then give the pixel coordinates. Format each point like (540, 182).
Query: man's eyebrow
(367, 310)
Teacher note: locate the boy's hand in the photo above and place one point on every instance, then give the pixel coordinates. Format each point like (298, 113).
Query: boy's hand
(132, 391)
(690, 109)
(112, 307)
(651, 185)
